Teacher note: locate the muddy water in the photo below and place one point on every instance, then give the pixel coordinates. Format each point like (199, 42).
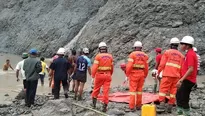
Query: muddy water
(9, 85)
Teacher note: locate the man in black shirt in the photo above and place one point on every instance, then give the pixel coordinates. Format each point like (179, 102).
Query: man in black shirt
(60, 68)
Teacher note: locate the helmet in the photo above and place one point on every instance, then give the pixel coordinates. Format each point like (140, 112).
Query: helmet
(195, 49)
(187, 40)
(86, 50)
(174, 41)
(158, 50)
(33, 51)
(61, 51)
(24, 55)
(137, 44)
(102, 44)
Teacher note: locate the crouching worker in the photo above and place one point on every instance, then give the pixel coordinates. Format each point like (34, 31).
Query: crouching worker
(102, 70)
(83, 64)
(136, 70)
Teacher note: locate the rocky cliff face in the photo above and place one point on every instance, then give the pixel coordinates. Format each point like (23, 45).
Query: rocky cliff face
(154, 22)
(42, 24)
(50, 24)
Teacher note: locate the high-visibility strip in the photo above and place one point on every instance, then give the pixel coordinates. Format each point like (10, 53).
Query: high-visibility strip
(162, 94)
(96, 62)
(172, 96)
(104, 68)
(130, 60)
(173, 65)
(133, 93)
(139, 93)
(138, 66)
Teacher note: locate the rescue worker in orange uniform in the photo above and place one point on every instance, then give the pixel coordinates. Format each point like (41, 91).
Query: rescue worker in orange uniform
(136, 71)
(171, 63)
(102, 71)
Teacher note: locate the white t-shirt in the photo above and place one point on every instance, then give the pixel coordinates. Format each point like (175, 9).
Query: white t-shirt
(19, 66)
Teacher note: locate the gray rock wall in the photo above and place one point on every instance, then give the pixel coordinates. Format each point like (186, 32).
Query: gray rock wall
(43, 24)
(154, 22)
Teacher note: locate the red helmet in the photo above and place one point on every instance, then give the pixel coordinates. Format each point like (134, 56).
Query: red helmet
(123, 65)
(158, 50)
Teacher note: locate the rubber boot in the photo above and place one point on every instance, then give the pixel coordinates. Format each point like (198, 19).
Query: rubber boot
(79, 98)
(104, 107)
(169, 108)
(179, 111)
(186, 112)
(94, 102)
(161, 107)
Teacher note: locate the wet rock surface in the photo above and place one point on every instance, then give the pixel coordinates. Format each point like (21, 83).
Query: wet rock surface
(45, 106)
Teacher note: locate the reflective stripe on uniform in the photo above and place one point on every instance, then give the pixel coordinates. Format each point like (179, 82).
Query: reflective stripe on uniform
(139, 93)
(173, 65)
(172, 96)
(162, 94)
(133, 93)
(104, 68)
(138, 66)
(96, 62)
(130, 60)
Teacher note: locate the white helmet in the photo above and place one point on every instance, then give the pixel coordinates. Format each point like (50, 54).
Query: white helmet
(187, 40)
(86, 50)
(174, 41)
(61, 51)
(195, 49)
(138, 44)
(102, 44)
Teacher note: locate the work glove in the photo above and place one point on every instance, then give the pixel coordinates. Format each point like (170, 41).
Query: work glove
(154, 73)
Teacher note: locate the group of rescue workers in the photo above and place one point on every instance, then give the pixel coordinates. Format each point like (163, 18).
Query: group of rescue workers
(177, 74)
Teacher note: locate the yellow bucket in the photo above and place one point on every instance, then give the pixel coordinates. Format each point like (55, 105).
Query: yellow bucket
(148, 110)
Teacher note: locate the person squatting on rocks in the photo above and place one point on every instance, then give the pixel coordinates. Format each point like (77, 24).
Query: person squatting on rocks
(7, 65)
(188, 80)
(19, 67)
(83, 64)
(170, 64)
(72, 60)
(59, 69)
(154, 71)
(43, 72)
(102, 71)
(136, 71)
(32, 67)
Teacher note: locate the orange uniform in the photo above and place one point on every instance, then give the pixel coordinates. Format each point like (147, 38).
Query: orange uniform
(102, 70)
(136, 71)
(171, 63)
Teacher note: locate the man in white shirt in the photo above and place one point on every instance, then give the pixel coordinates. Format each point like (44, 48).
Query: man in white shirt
(19, 67)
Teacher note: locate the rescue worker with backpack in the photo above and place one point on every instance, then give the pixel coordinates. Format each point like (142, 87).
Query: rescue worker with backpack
(136, 71)
(102, 71)
(171, 65)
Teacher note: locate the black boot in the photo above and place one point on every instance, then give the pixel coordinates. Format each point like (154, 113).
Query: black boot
(169, 108)
(94, 102)
(79, 98)
(104, 108)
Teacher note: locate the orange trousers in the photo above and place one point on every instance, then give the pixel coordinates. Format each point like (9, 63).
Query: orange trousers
(102, 80)
(168, 86)
(136, 85)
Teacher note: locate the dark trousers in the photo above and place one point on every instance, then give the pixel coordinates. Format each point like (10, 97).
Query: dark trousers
(183, 94)
(24, 84)
(57, 87)
(31, 87)
(42, 76)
